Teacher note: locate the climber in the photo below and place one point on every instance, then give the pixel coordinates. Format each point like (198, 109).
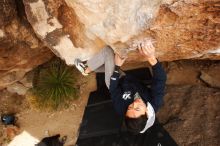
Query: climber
(137, 103)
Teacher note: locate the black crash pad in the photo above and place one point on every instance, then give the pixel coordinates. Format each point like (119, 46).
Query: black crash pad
(98, 120)
(101, 126)
(155, 136)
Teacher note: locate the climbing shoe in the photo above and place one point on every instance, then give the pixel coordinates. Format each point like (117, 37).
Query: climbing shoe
(81, 66)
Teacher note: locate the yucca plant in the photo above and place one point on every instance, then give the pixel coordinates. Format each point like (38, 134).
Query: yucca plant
(55, 84)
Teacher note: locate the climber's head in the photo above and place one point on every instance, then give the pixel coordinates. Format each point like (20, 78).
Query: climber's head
(136, 109)
(136, 116)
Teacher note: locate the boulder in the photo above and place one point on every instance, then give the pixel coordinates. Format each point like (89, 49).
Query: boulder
(79, 28)
(191, 115)
(20, 48)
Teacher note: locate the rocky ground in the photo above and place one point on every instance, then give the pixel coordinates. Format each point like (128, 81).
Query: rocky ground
(191, 110)
(190, 113)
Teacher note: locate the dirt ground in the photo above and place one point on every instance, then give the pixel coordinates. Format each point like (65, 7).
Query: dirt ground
(191, 113)
(39, 124)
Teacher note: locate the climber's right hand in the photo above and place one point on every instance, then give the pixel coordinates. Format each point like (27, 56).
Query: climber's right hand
(147, 50)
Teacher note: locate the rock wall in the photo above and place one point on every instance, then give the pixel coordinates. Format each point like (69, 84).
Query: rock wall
(181, 29)
(20, 49)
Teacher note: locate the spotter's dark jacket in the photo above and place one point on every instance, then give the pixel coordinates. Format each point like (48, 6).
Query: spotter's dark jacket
(123, 89)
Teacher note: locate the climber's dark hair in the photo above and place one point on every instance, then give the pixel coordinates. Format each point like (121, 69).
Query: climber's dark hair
(135, 125)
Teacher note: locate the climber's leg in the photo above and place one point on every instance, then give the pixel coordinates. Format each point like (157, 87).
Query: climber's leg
(103, 61)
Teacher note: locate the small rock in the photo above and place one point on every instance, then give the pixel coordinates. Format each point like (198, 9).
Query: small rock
(27, 81)
(17, 88)
(11, 131)
(212, 80)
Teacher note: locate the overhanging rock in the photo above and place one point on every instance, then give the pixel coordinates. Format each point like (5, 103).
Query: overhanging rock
(80, 28)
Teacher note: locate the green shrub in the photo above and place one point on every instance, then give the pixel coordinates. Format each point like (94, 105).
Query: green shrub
(54, 84)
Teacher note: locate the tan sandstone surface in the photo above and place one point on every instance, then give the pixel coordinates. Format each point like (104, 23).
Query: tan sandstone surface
(181, 29)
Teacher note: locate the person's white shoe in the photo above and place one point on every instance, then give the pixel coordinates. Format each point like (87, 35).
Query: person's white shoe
(80, 66)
